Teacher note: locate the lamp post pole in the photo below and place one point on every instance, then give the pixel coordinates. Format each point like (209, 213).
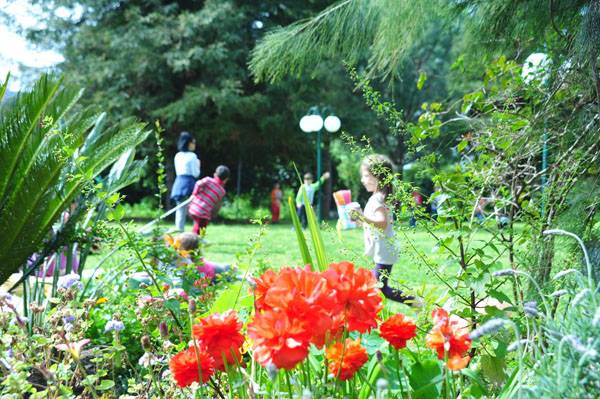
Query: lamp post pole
(319, 173)
(536, 68)
(313, 122)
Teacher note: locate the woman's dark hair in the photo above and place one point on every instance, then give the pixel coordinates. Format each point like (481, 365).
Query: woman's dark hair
(184, 141)
(382, 168)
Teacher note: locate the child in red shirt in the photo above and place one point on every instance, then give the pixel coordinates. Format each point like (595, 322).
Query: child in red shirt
(207, 196)
(276, 196)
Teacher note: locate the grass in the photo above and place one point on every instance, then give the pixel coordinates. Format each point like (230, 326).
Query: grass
(278, 247)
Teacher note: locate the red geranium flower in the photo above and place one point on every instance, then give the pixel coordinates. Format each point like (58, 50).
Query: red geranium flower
(184, 366)
(357, 294)
(278, 339)
(221, 336)
(450, 337)
(345, 361)
(263, 283)
(304, 295)
(397, 330)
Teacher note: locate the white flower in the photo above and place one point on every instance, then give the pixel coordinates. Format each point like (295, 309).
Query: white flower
(149, 359)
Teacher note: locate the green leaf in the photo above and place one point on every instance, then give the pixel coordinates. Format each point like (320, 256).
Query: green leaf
(4, 86)
(477, 389)
(105, 385)
(173, 305)
(374, 369)
(425, 379)
(233, 297)
(500, 296)
(493, 368)
(306, 259)
(421, 81)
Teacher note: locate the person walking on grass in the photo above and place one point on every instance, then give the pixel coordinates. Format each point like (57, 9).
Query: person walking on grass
(276, 196)
(377, 221)
(187, 170)
(207, 197)
(311, 188)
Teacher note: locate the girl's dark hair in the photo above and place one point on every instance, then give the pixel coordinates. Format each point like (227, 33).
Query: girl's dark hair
(184, 141)
(382, 168)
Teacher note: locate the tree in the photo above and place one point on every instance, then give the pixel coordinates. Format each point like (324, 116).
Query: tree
(185, 63)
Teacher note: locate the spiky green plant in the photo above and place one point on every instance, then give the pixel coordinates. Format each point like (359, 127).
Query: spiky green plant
(49, 152)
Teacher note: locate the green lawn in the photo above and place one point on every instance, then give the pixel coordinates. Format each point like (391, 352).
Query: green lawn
(230, 243)
(278, 247)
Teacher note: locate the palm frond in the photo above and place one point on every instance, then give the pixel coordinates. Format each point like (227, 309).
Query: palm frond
(17, 126)
(48, 154)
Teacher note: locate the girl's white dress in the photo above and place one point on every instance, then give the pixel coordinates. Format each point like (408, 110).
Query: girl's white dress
(380, 245)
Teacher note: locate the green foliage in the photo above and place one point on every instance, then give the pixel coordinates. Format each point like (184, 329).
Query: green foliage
(185, 65)
(350, 30)
(50, 154)
(347, 165)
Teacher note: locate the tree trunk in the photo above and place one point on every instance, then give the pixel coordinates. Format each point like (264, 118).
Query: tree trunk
(239, 177)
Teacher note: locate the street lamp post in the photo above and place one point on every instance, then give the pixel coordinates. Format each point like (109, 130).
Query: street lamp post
(313, 122)
(536, 69)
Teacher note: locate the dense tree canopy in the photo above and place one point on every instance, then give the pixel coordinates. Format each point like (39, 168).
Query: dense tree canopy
(185, 64)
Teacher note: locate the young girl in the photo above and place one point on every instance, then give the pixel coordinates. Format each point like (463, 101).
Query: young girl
(187, 169)
(377, 222)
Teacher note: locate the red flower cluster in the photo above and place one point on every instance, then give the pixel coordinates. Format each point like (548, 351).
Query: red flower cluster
(217, 340)
(346, 359)
(221, 336)
(450, 337)
(397, 330)
(357, 293)
(184, 366)
(296, 307)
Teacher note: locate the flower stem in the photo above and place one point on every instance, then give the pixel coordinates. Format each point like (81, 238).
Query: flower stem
(397, 355)
(289, 385)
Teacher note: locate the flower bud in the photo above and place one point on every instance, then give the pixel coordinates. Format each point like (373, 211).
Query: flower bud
(146, 345)
(163, 329)
(192, 306)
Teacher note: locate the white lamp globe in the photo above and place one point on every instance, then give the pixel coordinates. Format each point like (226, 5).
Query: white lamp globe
(536, 67)
(332, 123)
(305, 124)
(316, 123)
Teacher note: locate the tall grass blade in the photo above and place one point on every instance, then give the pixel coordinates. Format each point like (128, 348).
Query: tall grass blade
(4, 86)
(306, 258)
(315, 233)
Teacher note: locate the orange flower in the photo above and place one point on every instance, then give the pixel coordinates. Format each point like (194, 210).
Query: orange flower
(278, 339)
(397, 330)
(221, 336)
(345, 361)
(357, 294)
(450, 337)
(184, 366)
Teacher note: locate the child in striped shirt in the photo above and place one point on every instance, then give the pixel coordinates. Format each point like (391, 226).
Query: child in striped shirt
(207, 196)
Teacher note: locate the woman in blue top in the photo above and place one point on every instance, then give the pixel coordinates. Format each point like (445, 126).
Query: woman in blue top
(187, 170)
